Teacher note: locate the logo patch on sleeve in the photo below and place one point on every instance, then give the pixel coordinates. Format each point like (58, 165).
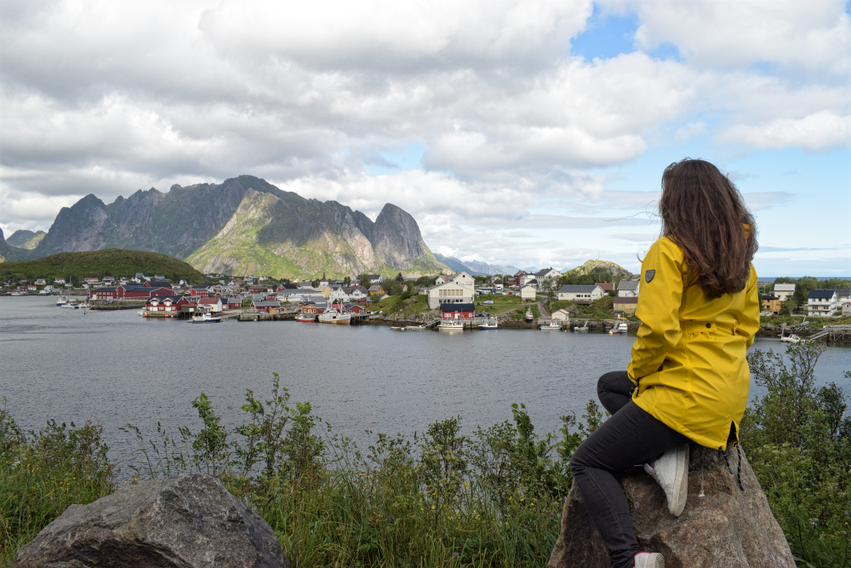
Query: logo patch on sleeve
(648, 276)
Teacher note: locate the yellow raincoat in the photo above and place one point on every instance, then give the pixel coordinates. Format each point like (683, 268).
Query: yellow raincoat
(689, 358)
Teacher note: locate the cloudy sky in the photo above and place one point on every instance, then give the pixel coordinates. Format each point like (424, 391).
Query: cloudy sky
(531, 133)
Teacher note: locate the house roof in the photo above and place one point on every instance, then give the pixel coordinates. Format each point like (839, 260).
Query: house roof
(606, 286)
(457, 308)
(158, 284)
(784, 287)
(577, 288)
(267, 304)
(209, 301)
(821, 294)
(136, 288)
(628, 285)
(107, 289)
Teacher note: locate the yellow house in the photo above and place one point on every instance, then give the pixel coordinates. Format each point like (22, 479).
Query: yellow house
(771, 304)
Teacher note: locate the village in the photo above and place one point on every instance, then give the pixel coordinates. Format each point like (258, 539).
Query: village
(540, 300)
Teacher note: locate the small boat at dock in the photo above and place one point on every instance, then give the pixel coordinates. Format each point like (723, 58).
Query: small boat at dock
(490, 324)
(205, 318)
(335, 316)
(529, 316)
(302, 317)
(619, 327)
(552, 326)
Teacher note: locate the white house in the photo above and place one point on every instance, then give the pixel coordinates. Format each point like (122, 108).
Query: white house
(348, 294)
(527, 292)
(822, 302)
(459, 289)
(561, 315)
(784, 291)
(580, 294)
(628, 288)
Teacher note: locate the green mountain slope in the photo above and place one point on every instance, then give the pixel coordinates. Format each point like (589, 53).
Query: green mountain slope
(244, 225)
(108, 262)
(598, 271)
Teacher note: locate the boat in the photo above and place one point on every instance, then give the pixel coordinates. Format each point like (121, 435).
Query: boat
(791, 339)
(415, 328)
(61, 301)
(72, 304)
(529, 316)
(335, 316)
(303, 317)
(619, 327)
(397, 328)
(583, 329)
(205, 318)
(490, 324)
(552, 326)
(451, 325)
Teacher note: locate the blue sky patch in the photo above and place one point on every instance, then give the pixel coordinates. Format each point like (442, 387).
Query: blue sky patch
(389, 163)
(606, 36)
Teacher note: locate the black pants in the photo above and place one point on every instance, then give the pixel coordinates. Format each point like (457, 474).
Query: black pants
(631, 436)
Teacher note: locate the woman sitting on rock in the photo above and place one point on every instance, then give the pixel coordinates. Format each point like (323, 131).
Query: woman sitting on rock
(687, 381)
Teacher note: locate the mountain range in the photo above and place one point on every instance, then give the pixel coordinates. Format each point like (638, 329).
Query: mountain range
(475, 267)
(244, 225)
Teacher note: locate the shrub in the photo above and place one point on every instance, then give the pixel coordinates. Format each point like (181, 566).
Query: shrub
(798, 438)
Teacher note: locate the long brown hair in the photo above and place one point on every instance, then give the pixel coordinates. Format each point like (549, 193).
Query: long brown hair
(704, 213)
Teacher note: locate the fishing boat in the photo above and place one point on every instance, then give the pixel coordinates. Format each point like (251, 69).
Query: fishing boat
(205, 318)
(552, 326)
(335, 316)
(72, 304)
(303, 317)
(791, 339)
(490, 324)
(61, 301)
(529, 316)
(415, 328)
(397, 328)
(619, 327)
(583, 329)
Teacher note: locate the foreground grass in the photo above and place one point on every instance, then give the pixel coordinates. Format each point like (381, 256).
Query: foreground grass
(492, 499)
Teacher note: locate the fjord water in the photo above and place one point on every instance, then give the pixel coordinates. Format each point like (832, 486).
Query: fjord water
(116, 368)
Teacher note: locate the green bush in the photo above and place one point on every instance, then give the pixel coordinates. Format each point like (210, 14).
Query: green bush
(798, 439)
(42, 473)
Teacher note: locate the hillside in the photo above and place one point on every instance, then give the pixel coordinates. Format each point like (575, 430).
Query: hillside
(598, 271)
(109, 262)
(25, 239)
(244, 225)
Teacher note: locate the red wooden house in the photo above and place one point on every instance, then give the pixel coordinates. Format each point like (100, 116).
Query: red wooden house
(460, 312)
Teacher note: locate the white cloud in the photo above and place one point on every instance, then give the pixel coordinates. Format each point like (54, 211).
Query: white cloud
(108, 97)
(817, 131)
(805, 37)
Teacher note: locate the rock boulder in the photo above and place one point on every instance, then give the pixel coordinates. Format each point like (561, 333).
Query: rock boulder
(721, 525)
(179, 521)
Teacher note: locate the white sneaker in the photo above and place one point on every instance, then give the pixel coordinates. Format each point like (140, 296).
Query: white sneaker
(671, 473)
(649, 560)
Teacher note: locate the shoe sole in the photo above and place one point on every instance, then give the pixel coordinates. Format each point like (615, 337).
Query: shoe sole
(658, 562)
(680, 485)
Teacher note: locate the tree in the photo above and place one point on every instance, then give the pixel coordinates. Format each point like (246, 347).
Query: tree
(400, 278)
(364, 280)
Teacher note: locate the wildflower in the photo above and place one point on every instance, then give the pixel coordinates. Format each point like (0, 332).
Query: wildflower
(456, 554)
